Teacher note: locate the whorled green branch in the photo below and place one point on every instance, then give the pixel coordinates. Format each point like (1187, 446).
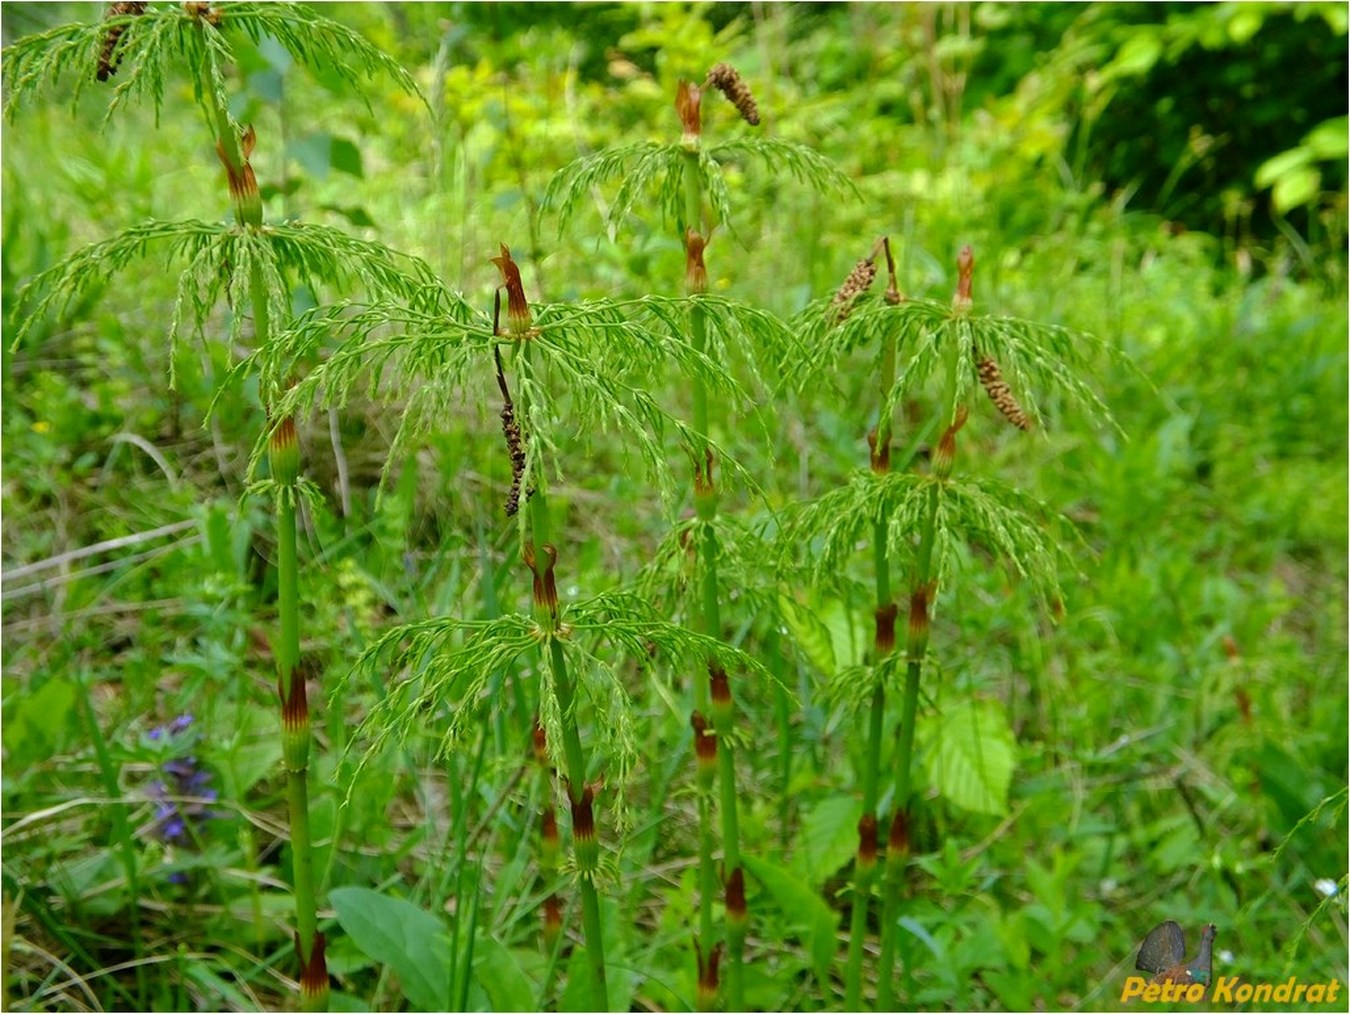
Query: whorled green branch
(601, 360)
(166, 37)
(1023, 535)
(219, 260)
(1039, 361)
(437, 674)
(644, 169)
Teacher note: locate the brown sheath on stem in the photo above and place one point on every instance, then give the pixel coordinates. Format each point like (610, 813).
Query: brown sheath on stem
(897, 844)
(708, 980)
(242, 181)
(517, 307)
(918, 616)
(314, 974)
(688, 100)
(946, 449)
(545, 587)
(884, 640)
(695, 270)
(735, 896)
(881, 456)
(867, 840)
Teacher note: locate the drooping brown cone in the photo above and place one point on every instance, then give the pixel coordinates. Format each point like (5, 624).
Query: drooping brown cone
(859, 280)
(991, 379)
(727, 80)
(108, 58)
(515, 442)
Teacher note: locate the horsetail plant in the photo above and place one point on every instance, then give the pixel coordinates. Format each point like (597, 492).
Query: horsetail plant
(249, 264)
(915, 521)
(604, 355)
(684, 175)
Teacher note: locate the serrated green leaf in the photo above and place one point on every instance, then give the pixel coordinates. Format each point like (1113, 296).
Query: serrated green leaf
(828, 838)
(803, 906)
(810, 633)
(411, 941)
(970, 756)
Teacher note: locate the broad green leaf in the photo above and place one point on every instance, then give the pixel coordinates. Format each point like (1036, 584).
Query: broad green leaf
(1329, 139)
(411, 941)
(582, 992)
(1295, 189)
(803, 907)
(811, 635)
(970, 755)
(506, 984)
(315, 153)
(37, 726)
(1137, 56)
(828, 838)
(848, 636)
(345, 157)
(1275, 168)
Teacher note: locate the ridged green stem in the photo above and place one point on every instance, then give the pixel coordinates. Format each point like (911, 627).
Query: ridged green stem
(723, 715)
(916, 645)
(895, 865)
(573, 754)
(865, 868)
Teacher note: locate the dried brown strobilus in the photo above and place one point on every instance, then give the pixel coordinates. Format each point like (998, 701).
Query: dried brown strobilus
(859, 280)
(515, 442)
(108, 58)
(727, 80)
(991, 378)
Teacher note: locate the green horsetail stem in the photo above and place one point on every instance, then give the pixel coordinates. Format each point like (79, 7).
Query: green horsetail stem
(541, 557)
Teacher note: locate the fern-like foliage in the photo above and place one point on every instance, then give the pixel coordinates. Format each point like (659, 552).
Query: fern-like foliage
(440, 671)
(1038, 360)
(1017, 531)
(169, 36)
(218, 262)
(645, 169)
(594, 364)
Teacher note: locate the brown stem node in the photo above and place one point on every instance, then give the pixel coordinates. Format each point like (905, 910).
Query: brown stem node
(965, 272)
(735, 896)
(695, 270)
(867, 840)
(314, 972)
(688, 103)
(885, 628)
(880, 455)
(946, 449)
(708, 981)
(517, 307)
(897, 844)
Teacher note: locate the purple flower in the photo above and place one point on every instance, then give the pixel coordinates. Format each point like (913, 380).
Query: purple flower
(184, 791)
